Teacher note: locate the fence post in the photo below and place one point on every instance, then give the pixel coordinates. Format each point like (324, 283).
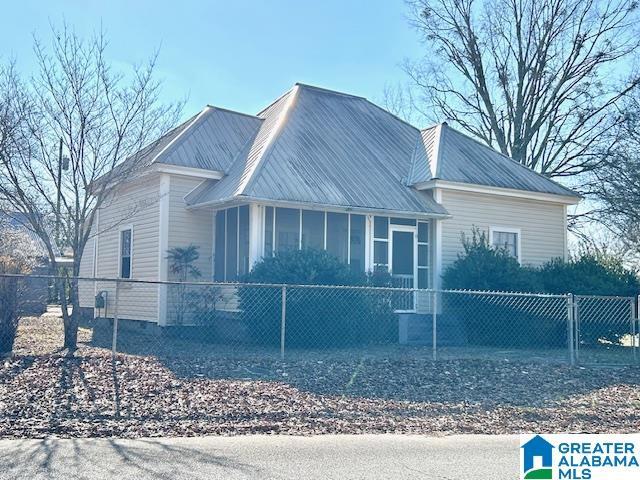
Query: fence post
(114, 341)
(434, 317)
(635, 303)
(283, 321)
(570, 328)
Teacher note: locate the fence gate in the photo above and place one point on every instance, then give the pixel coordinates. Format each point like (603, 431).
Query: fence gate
(606, 330)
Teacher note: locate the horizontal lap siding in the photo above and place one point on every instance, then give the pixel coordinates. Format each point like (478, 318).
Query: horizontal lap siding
(542, 224)
(85, 287)
(136, 205)
(188, 227)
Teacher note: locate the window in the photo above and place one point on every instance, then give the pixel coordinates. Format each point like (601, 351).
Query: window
(338, 235)
(243, 240)
(312, 229)
(381, 243)
(219, 256)
(125, 253)
(287, 229)
(268, 231)
(423, 255)
(507, 239)
(356, 243)
(231, 258)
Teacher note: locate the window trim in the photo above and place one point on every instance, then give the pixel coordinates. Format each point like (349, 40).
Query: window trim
(517, 231)
(124, 228)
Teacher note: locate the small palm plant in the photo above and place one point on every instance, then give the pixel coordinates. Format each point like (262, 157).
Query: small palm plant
(182, 264)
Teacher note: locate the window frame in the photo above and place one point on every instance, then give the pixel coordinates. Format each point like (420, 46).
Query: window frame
(497, 229)
(121, 229)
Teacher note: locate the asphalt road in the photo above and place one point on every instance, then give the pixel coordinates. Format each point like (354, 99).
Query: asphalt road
(282, 457)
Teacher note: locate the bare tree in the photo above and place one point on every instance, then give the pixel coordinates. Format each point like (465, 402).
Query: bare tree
(617, 183)
(76, 104)
(534, 78)
(398, 99)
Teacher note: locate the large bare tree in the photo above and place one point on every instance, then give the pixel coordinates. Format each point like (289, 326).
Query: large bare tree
(617, 182)
(540, 80)
(63, 132)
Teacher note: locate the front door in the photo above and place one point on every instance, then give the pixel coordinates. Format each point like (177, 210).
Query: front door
(403, 264)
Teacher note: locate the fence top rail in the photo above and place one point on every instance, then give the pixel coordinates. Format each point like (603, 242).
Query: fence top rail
(301, 286)
(506, 294)
(605, 297)
(207, 284)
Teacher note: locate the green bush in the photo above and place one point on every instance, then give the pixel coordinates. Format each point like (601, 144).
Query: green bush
(482, 267)
(316, 317)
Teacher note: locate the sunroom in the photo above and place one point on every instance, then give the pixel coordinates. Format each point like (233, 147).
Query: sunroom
(400, 244)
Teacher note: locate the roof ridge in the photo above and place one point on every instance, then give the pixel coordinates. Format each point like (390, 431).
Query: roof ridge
(232, 111)
(174, 141)
(328, 90)
(245, 183)
(275, 101)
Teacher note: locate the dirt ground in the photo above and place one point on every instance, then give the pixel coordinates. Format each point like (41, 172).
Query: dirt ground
(44, 393)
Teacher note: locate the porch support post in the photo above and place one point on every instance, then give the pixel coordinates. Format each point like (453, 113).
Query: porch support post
(437, 244)
(256, 233)
(368, 244)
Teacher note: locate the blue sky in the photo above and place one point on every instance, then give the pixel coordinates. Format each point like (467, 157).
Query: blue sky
(235, 54)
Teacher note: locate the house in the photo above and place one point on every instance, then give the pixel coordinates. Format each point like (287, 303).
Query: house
(323, 169)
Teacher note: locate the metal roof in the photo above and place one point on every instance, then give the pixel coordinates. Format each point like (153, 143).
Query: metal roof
(456, 157)
(322, 147)
(317, 146)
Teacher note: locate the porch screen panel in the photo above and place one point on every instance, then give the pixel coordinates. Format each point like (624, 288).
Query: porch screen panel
(312, 229)
(424, 256)
(381, 243)
(338, 235)
(243, 240)
(287, 229)
(357, 243)
(232, 245)
(219, 254)
(268, 231)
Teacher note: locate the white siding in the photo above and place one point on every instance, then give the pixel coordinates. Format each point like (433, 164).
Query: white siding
(188, 227)
(134, 205)
(86, 288)
(542, 224)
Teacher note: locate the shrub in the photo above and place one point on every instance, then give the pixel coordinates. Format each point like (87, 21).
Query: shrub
(316, 317)
(18, 254)
(488, 322)
(482, 267)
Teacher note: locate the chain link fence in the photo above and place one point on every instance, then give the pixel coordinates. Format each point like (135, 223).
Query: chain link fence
(192, 319)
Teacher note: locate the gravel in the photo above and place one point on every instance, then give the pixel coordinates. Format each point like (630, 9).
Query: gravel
(44, 394)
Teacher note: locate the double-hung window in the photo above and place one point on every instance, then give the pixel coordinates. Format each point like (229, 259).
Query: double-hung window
(507, 239)
(126, 237)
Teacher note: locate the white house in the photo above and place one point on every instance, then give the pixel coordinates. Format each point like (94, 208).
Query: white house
(323, 169)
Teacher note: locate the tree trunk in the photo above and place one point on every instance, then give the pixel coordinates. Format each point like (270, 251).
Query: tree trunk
(8, 314)
(71, 320)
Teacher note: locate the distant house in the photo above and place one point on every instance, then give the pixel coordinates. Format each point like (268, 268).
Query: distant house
(323, 169)
(34, 297)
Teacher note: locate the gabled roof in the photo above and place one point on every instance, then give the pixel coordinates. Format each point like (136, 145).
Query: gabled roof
(453, 156)
(326, 148)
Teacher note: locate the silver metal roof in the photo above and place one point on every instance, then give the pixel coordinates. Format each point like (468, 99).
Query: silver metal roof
(322, 147)
(453, 156)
